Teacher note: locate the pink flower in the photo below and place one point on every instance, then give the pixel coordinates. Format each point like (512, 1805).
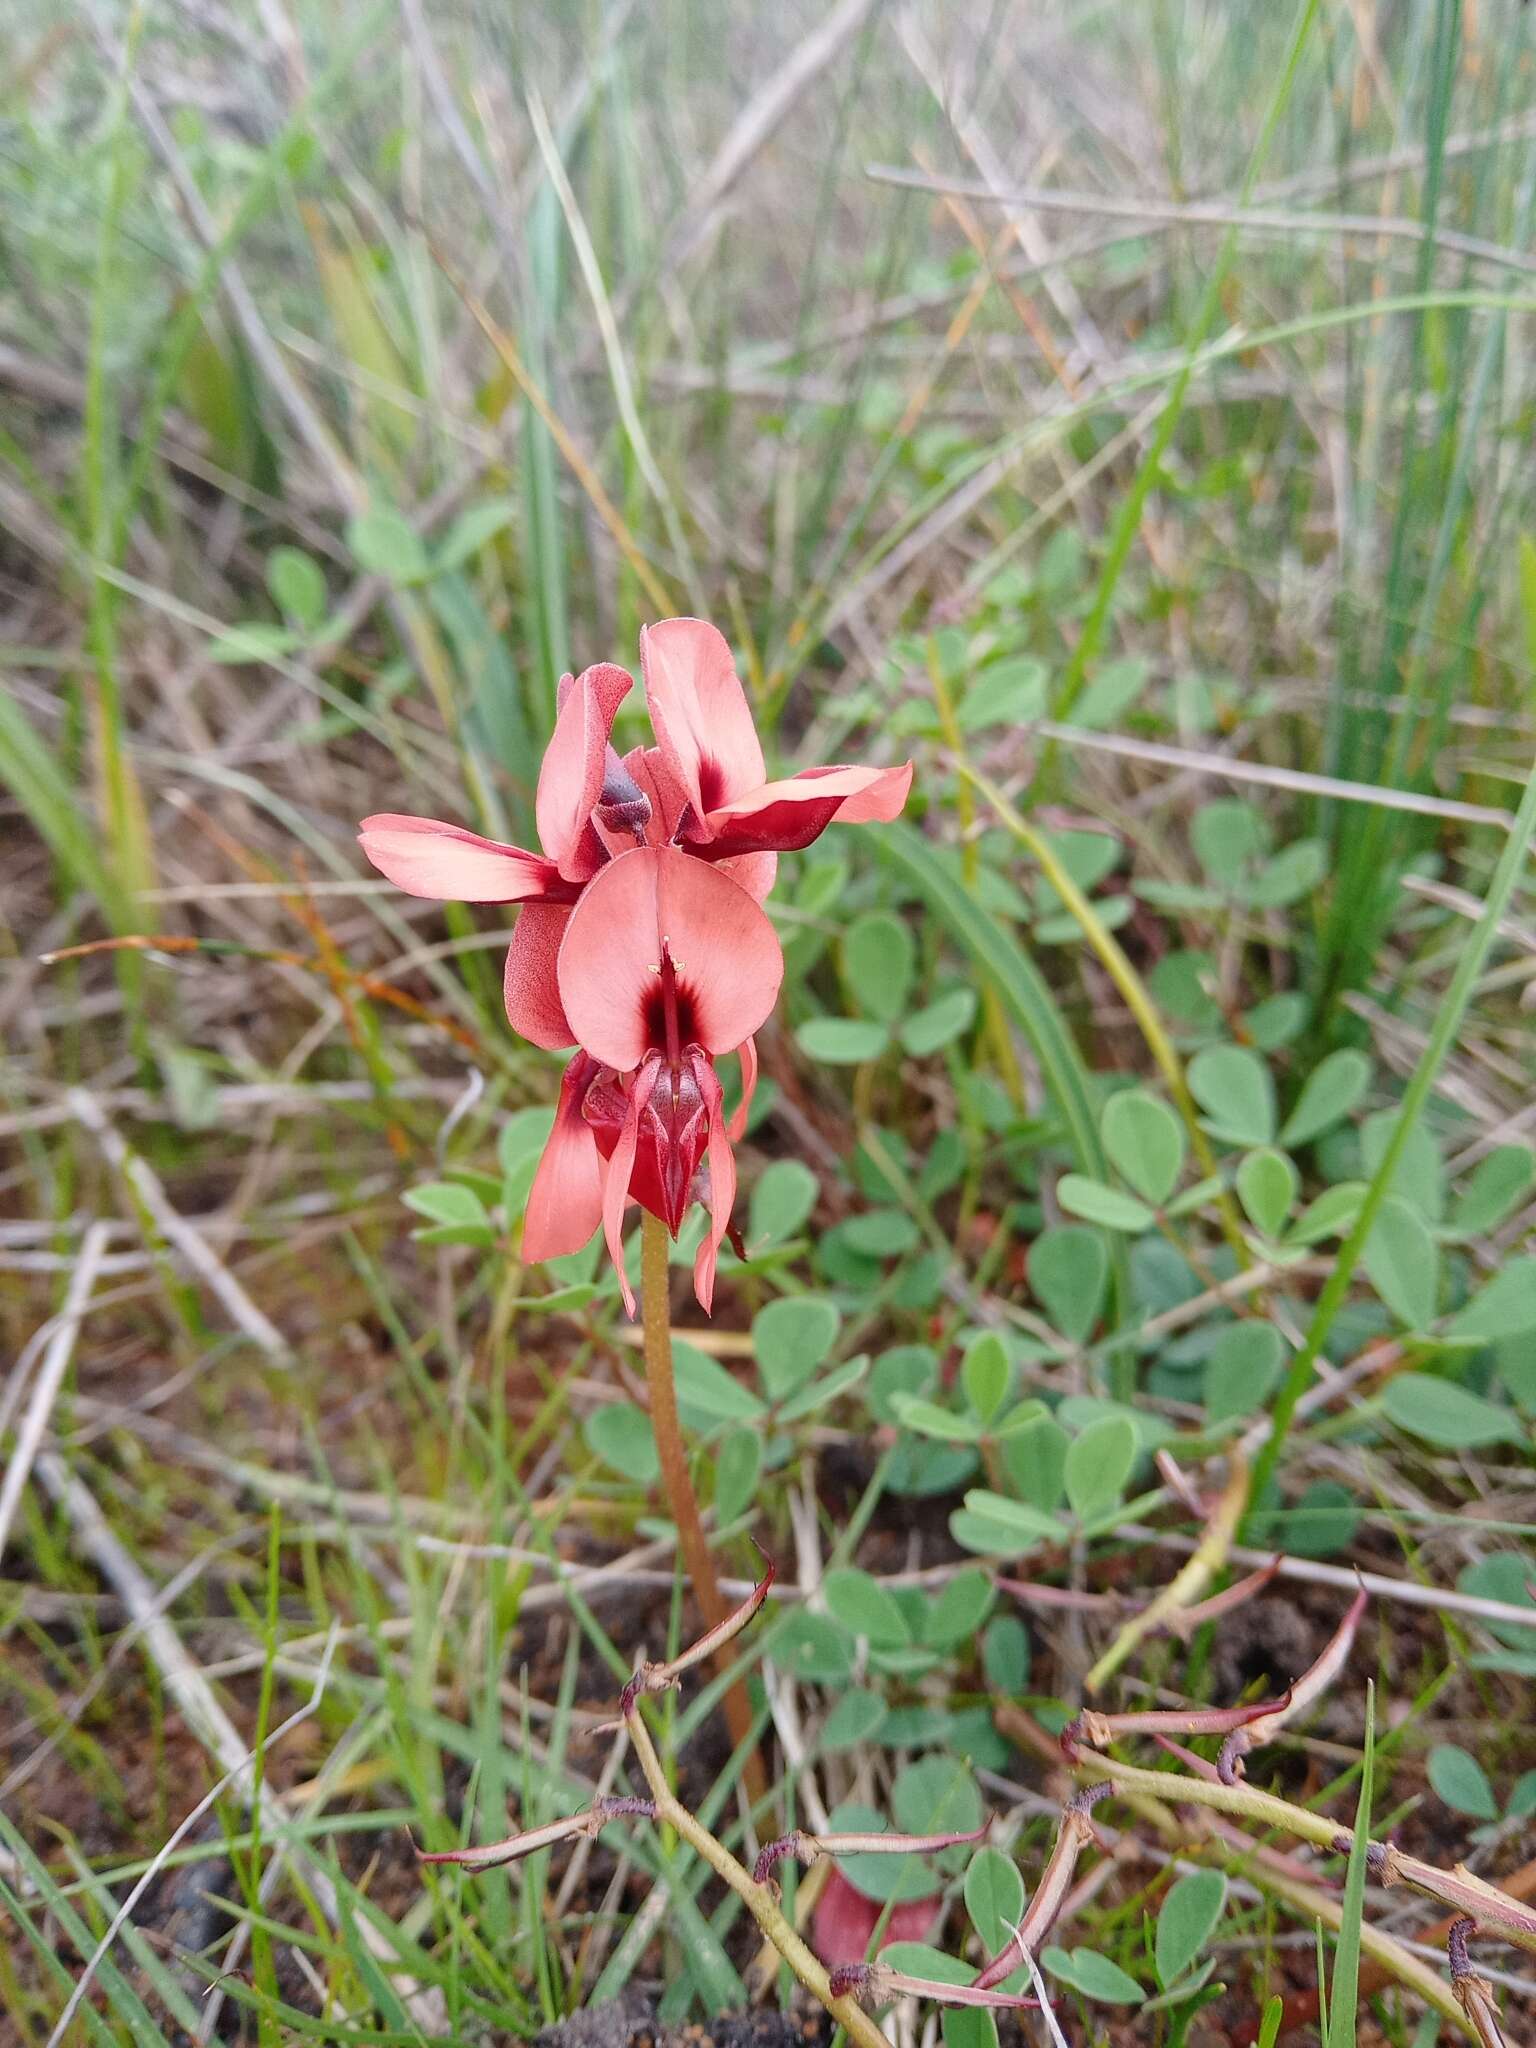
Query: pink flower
(846, 1919)
(709, 749)
(426, 858)
(702, 787)
(640, 938)
(665, 965)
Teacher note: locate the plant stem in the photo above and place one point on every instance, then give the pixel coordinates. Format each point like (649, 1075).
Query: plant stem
(656, 1323)
(1459, 1889)
(759, 1899)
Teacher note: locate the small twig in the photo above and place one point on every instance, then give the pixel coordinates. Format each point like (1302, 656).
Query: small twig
(678, 1482)
(1309, 1572)
(1130, 206)
(878, 1982)
(1189, 1583)
(1075, 1832)
(1093, 1730)
(1255, 1733)
(50, 1377)
(570, 1827)
(661, 1677)
(806, 1847)
(192, 1245)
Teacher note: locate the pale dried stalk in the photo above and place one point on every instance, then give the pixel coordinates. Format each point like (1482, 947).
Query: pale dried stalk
(1458, 1888)
(759, 1899)
(144, 1185)
(1075, 1832)
(50, 1377)
(1189, 1583)
(1255, 1733)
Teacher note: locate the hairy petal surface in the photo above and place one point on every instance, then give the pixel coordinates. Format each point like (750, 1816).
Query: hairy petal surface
(725, 952)
(565, 1203)
(703, 724)
(571, 776)
(528, 986)
(424, 857)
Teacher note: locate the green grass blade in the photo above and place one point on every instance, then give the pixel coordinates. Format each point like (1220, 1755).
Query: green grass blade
(1128, 518)
(1344, 2001)
(33, 776)
(123, 2000)
(1024, 993)
(1442, 1037)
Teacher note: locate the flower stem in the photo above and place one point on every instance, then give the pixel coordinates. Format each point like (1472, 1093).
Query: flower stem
(656, 1320)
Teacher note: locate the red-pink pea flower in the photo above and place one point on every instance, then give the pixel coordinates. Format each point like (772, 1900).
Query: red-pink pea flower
(666, 964)
(702, 786)
(846, 1918)
(640, 938)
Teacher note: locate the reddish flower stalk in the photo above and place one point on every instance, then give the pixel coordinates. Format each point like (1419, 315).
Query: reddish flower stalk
(678, 1481)
(806, 1847)
(492, 1855)
(1075, 1832)
(1311, 1686)
(1093, 1730)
